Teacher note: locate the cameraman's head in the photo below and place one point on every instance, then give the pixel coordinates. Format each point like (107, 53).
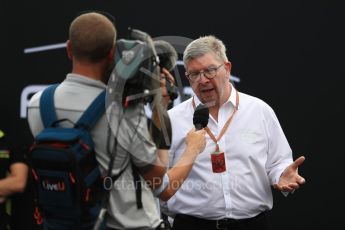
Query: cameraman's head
(91, 44)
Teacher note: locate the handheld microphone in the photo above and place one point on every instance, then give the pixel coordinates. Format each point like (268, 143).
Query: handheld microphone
(200, 117)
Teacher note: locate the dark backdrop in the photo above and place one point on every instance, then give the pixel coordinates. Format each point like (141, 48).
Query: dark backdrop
(288, 53)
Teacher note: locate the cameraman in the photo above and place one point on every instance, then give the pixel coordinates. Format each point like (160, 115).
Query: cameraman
(91, 47)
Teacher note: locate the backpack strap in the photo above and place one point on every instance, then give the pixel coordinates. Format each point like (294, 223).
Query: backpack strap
(47, 107)
(92, 113)
(137, 185)
(87, 120)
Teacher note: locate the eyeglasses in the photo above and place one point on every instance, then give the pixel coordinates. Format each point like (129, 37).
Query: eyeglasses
(209, 73)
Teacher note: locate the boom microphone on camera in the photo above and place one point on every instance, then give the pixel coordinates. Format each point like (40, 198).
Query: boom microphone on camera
(167, 59)
(166, 53)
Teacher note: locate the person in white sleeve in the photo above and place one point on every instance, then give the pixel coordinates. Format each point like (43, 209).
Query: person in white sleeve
(229, 185)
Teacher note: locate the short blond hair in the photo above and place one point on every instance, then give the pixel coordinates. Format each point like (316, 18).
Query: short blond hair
(91, 35)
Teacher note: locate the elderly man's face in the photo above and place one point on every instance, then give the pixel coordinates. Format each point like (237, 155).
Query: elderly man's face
(213, 91)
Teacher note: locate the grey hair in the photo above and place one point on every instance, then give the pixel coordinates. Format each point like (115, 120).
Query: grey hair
(204, 45)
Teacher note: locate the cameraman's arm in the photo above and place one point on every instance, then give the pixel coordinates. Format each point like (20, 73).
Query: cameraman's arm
(160, 130)
(163, 99)
(196, 143)
(154, 173)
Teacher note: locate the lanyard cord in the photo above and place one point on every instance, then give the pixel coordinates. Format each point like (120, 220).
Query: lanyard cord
(226, 125)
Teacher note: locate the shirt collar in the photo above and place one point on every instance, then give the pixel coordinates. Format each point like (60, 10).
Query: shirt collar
(231, 99)
(72, 77)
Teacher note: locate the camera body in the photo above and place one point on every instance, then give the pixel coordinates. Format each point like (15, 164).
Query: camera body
(134, 66)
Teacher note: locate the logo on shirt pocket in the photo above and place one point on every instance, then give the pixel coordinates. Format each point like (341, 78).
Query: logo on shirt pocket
(250, 136)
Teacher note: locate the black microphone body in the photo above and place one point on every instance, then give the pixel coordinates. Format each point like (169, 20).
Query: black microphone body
(201, 116)
(198, 126)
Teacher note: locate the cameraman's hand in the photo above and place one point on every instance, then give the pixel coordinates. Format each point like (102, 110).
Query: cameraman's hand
(166, 74)
(196, 141)
(166, 78)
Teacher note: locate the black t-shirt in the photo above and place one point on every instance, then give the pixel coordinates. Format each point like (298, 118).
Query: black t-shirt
(8, 151)
(9, 155)
(22, 204)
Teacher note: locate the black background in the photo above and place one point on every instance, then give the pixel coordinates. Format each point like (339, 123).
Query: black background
(288, 53)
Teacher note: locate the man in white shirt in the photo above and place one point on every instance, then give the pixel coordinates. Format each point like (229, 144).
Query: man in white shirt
(246, 152)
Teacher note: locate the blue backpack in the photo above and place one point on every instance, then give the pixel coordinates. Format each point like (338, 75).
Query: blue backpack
(64, 167)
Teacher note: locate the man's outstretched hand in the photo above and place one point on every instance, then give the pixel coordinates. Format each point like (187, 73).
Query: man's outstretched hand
(290, 179)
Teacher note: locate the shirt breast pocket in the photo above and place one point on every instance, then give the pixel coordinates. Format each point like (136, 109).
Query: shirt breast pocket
(253, 144)
(250, 137)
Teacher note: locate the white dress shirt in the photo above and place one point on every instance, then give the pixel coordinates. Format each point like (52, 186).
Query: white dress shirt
(256, 153)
